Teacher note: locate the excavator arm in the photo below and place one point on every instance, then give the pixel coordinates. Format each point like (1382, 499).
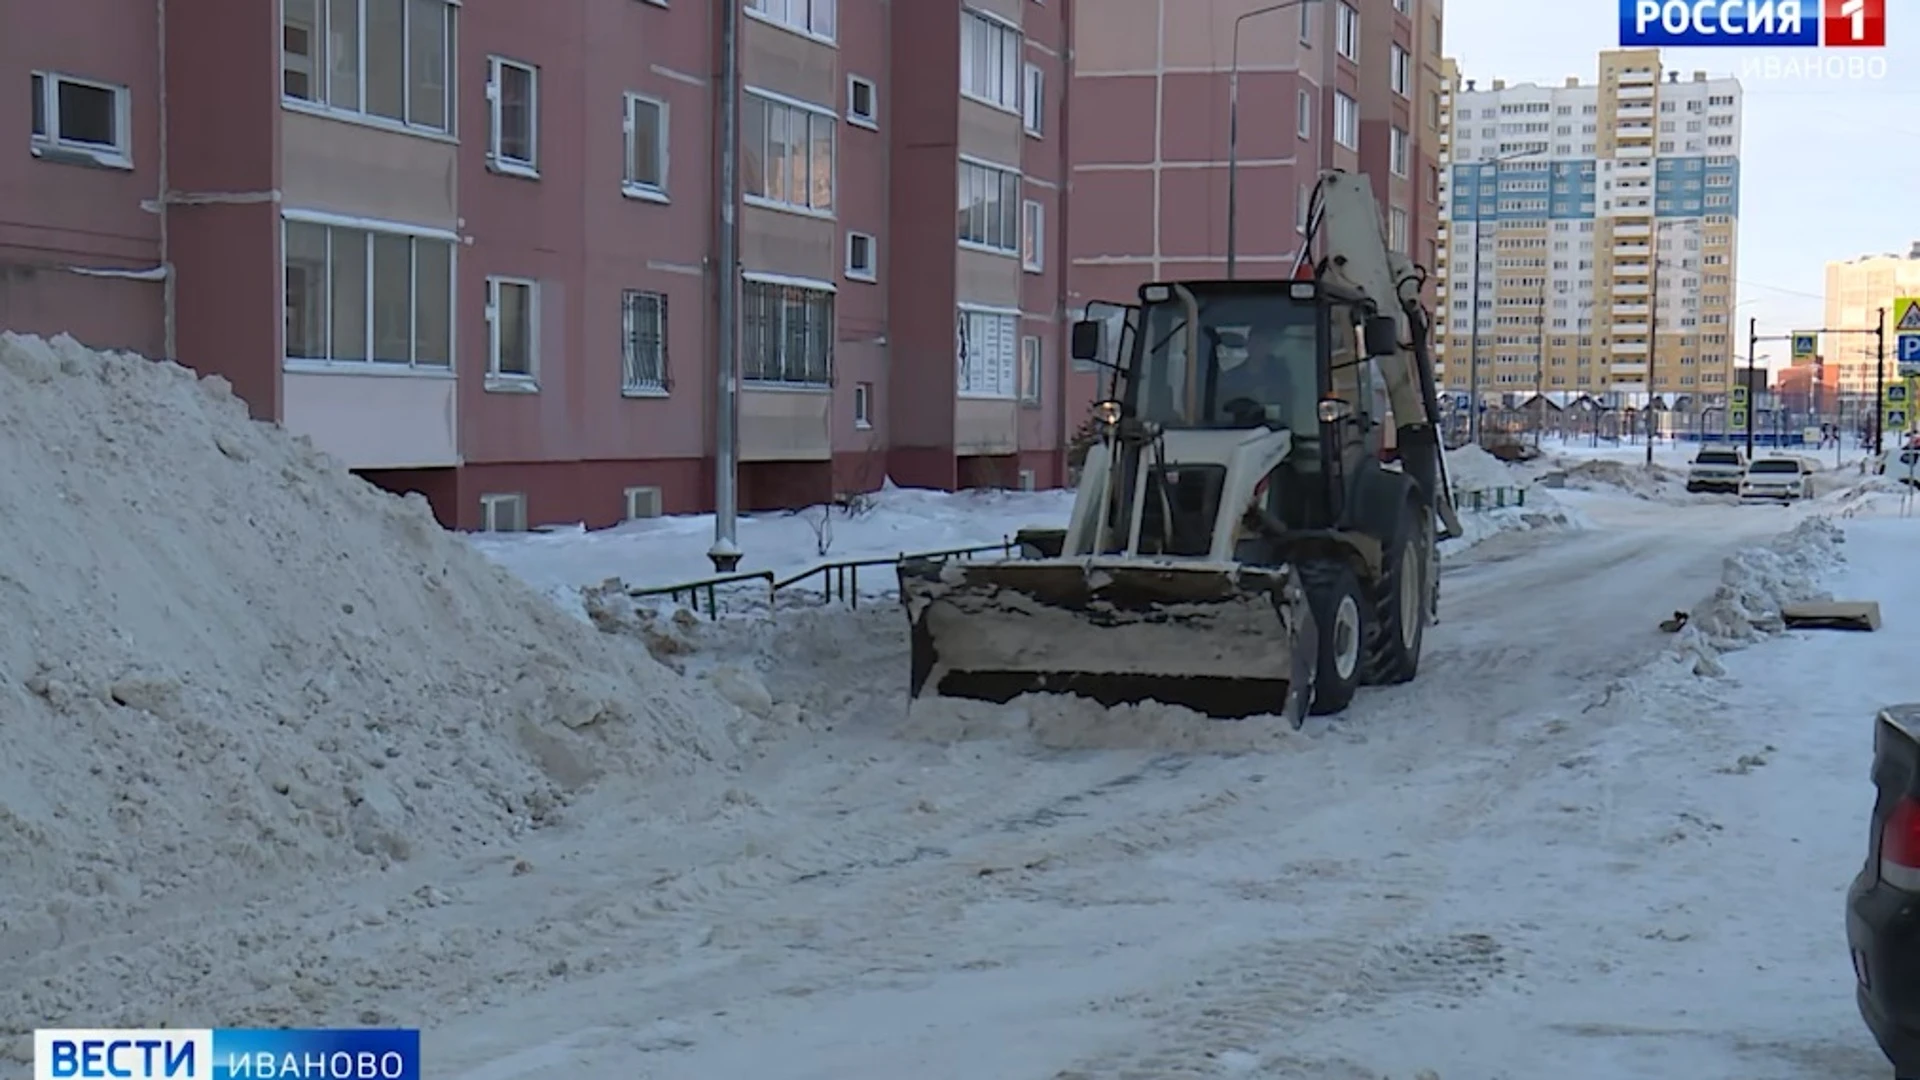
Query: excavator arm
(1355, 256)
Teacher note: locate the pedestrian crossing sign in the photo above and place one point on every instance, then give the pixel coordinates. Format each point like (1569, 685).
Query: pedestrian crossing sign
(1806, 344)
(1906, 315)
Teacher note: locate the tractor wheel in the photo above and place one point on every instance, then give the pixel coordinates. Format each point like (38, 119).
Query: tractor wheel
(1402, 599)
(1341, 616)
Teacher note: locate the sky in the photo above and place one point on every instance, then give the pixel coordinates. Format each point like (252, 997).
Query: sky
(1830, 167)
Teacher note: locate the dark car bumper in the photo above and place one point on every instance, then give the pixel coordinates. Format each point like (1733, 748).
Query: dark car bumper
(1704, 484)
(1883, 933)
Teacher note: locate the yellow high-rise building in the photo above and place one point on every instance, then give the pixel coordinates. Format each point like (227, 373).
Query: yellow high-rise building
(1595, 215)
(1856, 290)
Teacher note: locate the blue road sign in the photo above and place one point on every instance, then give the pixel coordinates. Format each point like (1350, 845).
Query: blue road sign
(1909, 348)
(1465, 401)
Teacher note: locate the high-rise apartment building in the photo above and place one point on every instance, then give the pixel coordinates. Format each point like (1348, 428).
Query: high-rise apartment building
(1339, 84)
(1856, 291)
(474, 250)
(1585, 223)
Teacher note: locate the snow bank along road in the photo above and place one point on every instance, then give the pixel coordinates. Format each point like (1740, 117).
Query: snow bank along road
(978, 896)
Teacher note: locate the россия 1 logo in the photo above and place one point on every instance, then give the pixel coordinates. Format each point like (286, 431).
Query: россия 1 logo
(1803, 24)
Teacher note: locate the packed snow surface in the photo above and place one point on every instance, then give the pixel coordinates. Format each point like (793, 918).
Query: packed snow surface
(227, 665)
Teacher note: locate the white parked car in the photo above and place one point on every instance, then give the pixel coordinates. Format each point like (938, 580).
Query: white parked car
(1781, 478)
(1717, 469)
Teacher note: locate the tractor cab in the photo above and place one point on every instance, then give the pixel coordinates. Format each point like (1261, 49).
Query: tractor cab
(1230, 358)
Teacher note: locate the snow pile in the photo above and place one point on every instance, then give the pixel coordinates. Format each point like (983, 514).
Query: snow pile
(228, 665)
(1755, 583)
(1636, 479)
(1472, 469)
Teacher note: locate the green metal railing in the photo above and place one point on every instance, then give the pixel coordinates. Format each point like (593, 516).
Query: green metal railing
(839, 580)
(1474, 499)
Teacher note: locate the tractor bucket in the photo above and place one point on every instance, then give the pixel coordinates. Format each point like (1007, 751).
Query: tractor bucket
(1227, 641)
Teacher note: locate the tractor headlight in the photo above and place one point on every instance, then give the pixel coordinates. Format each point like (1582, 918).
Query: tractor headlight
(1334, 410)
(1107, 413)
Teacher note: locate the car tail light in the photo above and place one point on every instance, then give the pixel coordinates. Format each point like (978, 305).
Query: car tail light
(1900, 846)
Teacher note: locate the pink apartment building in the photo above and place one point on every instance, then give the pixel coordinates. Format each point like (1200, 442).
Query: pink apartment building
(1346, 84)
(471, 249)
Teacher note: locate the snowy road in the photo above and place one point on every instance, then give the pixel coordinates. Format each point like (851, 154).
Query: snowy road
(1164, 905)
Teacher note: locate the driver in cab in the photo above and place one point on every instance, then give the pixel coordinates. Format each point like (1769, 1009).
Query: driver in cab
(1262, 384)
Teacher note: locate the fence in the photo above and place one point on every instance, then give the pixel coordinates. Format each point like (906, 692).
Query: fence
(840, 580)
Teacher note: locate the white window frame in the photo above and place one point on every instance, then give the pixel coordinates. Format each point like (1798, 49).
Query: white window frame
(1303, 205)
(998, 372)
(646, 502)
(50, 144)
(1404, 7)
(1400, 151)
(1347, 40)
(871, 118)
(633, 187)
(1033, 100)
(1306, 23)
(512, 381)
(1400, 71)
(782, 292)
(1032, 369)
(416, 234)
(1033, 236)
(773, 104)
(319, 66)
(635, 381)
(999, 65)
(1346, 121)
(977, 172)
(863, 406)
(816, 19)
(497, 160)
(1304, 123)
(1399, 230)
(871, 271)
(494, 504)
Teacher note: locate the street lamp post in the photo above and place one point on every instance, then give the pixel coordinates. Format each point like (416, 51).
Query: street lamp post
(1653, 341)
(1233, 130)
(1473, 340)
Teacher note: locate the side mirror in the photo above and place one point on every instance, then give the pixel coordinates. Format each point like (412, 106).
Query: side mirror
(1382, 336)
(1087, 339)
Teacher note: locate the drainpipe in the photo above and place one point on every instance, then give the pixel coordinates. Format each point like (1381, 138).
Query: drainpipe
(725, 552)
(167, 290)
(1063, 331)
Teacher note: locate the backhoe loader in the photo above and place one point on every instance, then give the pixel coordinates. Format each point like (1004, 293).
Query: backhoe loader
(1253, 533)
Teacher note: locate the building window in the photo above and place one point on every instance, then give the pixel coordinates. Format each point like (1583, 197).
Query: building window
(355, 296)
(990, 53)
(1302, 208)
(513, 101)
(1033, 103)
(985, 344)
(1030, 370)
(82, 117)
(1305, 121)
(989, 207)
(1397, 231)
(1033, 236)
(863, 405)
(502, 512)
(1349, 36)
(786, 154)
(1346, 121)
(862, 108)
(1402, 72)
(1306, 23)
(1404, 7)
(814, 18)
(1400, 150)
(643, 343)
(513, 330)
(646, 131)
(387, 59)
(861, 256)
(786, 334)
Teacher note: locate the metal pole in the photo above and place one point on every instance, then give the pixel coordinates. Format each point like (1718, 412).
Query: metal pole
(1540, 369)
(1880, 382)
(1233, 133)
(1653, 340)
(725, 552)
(1473, 340)
(1753, 401)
